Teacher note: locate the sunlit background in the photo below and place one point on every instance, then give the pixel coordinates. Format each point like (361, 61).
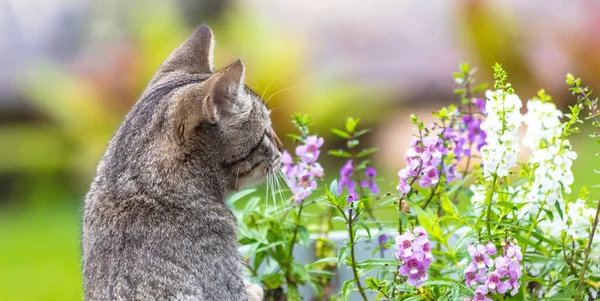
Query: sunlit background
(71, 69)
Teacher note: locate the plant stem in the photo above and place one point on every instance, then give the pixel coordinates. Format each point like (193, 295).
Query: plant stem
(292, 243)
(353, 257)
(587, 253)
(533, 224)
(489, 209)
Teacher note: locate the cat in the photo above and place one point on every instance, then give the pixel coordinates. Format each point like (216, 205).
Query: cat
(155, 222)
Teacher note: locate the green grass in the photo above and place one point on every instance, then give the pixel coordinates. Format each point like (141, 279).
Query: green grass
(40, 255)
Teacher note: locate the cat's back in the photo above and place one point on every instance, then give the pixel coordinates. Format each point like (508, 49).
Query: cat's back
(139, 250)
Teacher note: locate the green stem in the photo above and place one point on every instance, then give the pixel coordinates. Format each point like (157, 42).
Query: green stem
(587, 253)
(350, 220)
(489, 209)
(292, 243)
(533, 225)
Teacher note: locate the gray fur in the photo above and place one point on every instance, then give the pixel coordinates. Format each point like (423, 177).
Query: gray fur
(155, 223)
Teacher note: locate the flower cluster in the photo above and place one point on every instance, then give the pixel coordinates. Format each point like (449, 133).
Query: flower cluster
(424, 161)
(303, 175)
(499, 154)
(503, 278)
(552, 155)
(577, 221)
(347, 180)
(469, 132)
(414, 251)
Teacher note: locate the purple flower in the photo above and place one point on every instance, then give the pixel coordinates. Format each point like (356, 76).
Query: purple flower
(414, 251)
(480, 258)
(481, 294)
(424, 161)
(303, 176)
(494, 283)
(474, 276)
(415, 270)
(309, 151)
(503, 278)
(381, 240)
(346, 173)
(370, 175)
(490, 248)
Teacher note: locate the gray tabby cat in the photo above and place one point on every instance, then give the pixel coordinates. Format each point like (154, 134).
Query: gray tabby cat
(155, 222)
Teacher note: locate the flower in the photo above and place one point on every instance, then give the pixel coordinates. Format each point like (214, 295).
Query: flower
(468, 132)
(370, 174)
(480, 256)
(481, 294)
(302, 176)
(504, 271)
(309, 151)
(414, 251)
(499, 154)
(474, 276)
(346, 173)
(381, 240)
(551, 157)
(424, 161)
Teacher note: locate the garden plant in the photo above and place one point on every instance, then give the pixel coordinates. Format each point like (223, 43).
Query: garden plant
(482, 211)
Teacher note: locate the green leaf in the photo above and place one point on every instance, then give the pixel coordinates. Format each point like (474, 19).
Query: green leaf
(303, 235)
(333, 188)
(447, 206)
(480, 87)
(325, 260)
(352, 143)
(557, 206)
(364, 226)
(351, 124)
(464, 67)
(292, 293)
(361, 132)
(347, 289)
(340, 153)
(340, 133)
(342, 254)
(366, 152)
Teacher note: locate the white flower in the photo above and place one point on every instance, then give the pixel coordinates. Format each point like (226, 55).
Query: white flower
(499, 154)
(552, 156)
(543, 123)
(580, 219)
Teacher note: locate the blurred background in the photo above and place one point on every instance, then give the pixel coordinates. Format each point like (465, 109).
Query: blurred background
(71, 69)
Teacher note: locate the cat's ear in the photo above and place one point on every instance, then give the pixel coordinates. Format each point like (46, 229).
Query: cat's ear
(195, 55)
(210, 101)
(224, 88)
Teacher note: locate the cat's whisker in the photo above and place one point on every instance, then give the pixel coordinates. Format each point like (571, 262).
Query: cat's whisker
(285, 179)
(282, 90)
(237, 176)
(270, 83)
(276, 210)
(281, 196)
(266, 194)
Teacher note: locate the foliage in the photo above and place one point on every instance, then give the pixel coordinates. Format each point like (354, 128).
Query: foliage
(474, 221)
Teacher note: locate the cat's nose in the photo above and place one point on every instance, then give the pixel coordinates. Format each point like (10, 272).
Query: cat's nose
(276, 140)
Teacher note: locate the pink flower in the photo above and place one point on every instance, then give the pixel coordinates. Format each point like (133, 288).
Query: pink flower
(414, 251)
(479, 255)
(309, 151)
(303, 175)
(474, 276)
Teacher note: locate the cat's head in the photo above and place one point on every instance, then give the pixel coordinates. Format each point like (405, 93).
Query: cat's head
(193, 122)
